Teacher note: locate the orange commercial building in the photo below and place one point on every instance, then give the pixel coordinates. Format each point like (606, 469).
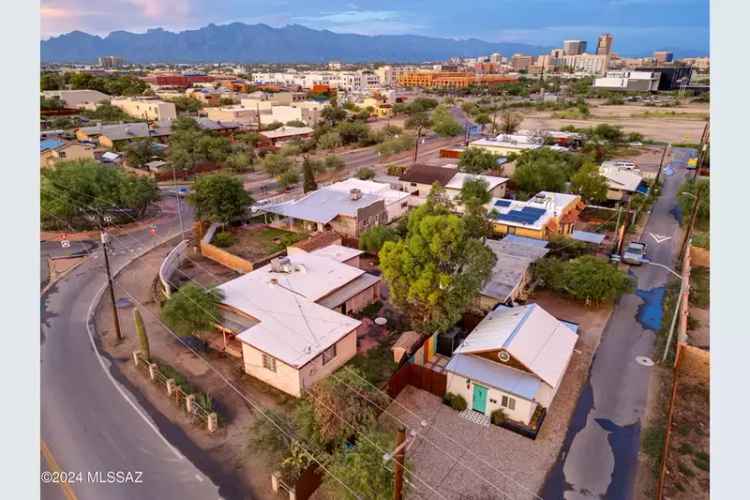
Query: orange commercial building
(445, 79)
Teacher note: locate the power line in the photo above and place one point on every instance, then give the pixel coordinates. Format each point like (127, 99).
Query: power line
(252, 403)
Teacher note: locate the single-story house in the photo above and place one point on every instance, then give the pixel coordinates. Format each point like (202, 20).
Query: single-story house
(495, 185)
(282, 135)
(514, 360)
(509, 276)
(348, 214)
(418, 180)
(622, 182)
(53, 150)
(503, 145)
(545, 214)
(288, 320)
(119, 134)
(396, 202)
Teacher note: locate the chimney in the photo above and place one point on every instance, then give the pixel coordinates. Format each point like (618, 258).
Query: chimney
(355, 194)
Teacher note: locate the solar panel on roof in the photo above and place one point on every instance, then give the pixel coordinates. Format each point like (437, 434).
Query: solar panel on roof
(502, 203)
(533, 210)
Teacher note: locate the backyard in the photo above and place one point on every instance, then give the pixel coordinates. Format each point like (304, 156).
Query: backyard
(258, 242)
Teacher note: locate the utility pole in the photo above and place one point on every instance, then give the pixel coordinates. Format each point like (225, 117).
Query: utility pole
(398, 488)
(617, 228)
(661, 163)
(106, 239)
(702, 152)
(416, 146)
(179, 201)
(693, 217)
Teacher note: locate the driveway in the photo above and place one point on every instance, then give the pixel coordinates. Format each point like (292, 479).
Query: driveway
(600, 455)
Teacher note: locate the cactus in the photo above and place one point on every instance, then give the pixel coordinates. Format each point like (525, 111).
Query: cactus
(140, 330)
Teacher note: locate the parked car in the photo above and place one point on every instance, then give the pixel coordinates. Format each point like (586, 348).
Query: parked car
(635, 253)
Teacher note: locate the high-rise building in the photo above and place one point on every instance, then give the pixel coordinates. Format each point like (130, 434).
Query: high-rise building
(574, 47)
(110, 62)
(520, 62)
(557, 53)
(604, 44)
(663, 56)
(496, 58)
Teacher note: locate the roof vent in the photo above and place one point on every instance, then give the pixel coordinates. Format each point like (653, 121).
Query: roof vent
(281, 265)
(355, 194)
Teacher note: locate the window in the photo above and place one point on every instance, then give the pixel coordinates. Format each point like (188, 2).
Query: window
(329, 354)
(508, 402)
(269, 362)
(405, 204)
(62, 154)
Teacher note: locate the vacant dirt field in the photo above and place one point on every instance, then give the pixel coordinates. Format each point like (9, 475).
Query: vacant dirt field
(685, 126)
(258, 242)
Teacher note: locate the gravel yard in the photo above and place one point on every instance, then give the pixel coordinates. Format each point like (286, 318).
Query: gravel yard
(461, 459)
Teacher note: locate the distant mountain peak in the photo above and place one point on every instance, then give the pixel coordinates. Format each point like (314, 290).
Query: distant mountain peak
(258, 43)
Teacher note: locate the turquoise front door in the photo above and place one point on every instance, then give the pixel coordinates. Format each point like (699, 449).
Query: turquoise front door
(479, 400)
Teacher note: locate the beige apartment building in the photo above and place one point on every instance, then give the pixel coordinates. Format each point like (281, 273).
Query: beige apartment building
(146, 109)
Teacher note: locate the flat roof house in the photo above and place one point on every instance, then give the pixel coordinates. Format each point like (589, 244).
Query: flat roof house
(495, 185)
(514, 360)
(53, 150)
(544, 214)
(347, 213)
(146, 108)
(290, 317)
(504, 145)
(78, 98)
(396, 202)
(119, 134)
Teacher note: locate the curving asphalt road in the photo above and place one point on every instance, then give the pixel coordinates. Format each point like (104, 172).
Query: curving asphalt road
(91, 421)
(599, 457)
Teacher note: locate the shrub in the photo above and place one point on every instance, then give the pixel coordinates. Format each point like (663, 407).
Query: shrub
(686, 470)
(448, 398)
(223, 239)
(498, 417)
(458, 403)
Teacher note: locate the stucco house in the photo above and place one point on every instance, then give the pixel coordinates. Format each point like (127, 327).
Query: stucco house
(419, 179)
(545, 214)
(514, 360)
(396, 202)
(347, 213)
(288, 320)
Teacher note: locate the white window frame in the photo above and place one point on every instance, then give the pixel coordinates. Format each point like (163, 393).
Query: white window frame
(331, 351)
(269, 362)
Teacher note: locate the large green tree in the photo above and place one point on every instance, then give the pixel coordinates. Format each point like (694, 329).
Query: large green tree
(444, 124)
(477, 161)
(192, 310)
(589, 183)
(372, 240)
(308, 172)
(276, 164)
(79, 193)
(590, 279)
(543, 169)
(219, 198)
(437, 269)
(474, 195)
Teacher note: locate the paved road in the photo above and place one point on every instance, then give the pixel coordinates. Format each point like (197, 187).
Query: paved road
(87, 424)
(600, 452)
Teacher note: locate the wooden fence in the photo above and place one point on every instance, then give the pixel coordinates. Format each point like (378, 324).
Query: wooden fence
(418, 376)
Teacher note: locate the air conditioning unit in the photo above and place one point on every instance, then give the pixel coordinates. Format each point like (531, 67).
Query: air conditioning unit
(355, 194)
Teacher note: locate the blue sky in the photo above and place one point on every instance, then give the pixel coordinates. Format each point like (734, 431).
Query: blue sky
(639, 26)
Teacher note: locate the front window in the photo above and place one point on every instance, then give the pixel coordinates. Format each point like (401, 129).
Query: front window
(508, 402)
(329, 354)
(269, 362)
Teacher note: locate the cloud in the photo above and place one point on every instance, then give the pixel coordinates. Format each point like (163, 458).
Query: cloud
(365, 22)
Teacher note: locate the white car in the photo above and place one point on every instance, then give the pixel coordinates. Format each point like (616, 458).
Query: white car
(623, 164)
(635, 253)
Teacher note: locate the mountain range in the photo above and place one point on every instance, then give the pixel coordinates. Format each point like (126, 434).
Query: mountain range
(260, 43)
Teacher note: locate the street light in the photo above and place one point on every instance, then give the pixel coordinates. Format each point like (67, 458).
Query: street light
(676, 308)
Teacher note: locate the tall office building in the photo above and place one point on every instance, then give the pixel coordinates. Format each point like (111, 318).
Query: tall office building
(663, 56)
(496, 58)
(574, 47)
(110, 62)
(604, 44)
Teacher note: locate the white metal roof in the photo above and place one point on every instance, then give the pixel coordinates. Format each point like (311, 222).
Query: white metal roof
(503, 144)
(530, 334)
(494, 374)
(621, 179)
(458, 180)
(339, 253)
(291, 326)
(286, 132)
(322, 205)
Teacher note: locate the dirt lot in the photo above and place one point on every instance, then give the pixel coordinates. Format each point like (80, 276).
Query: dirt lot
(223, 451)
(257, 242)
(685, 126)
(687, 474)
(458, 457)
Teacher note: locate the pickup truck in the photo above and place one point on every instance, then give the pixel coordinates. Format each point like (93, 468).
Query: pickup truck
(634, 253)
